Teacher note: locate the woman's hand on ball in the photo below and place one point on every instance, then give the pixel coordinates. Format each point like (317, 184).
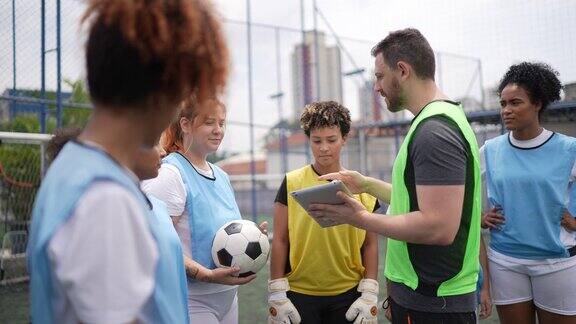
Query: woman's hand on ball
(264, 227)
(224, 276)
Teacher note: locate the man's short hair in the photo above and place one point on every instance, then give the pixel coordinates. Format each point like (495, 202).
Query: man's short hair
(410, 46)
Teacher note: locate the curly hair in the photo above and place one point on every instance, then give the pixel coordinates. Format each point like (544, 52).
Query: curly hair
(144, 52)
(325, 114)
(538, 79)
(60, 138)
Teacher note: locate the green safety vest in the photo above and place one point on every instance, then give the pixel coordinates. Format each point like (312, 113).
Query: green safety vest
(399, 268)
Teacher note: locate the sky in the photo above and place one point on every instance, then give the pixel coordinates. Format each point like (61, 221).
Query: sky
(475, 42)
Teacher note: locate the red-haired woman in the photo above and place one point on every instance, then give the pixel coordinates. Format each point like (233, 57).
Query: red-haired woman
(200, 200)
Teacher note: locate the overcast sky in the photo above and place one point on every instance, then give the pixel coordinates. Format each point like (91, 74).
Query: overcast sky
(494, 32)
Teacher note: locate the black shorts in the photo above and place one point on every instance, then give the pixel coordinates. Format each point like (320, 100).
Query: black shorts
(323, 309)
(401, 315)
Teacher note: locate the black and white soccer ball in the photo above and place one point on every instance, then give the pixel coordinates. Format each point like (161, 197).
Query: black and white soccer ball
(240, 243)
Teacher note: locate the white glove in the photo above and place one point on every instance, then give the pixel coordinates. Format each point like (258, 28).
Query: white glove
(280, 308)
(365, 310)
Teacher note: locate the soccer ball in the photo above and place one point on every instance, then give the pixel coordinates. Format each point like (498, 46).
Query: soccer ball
(240, 243)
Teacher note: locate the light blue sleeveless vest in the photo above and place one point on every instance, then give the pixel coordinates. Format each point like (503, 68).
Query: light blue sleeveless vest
(171, 293)
(210, 204)
(71, 174)
(530, 185)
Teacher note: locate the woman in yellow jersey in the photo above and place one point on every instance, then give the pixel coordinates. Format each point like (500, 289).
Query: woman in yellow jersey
(321, 275)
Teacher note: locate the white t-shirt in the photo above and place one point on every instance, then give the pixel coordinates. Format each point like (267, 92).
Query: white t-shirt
(207, 173)
(568, 238)
(168, 186)
(103, 259)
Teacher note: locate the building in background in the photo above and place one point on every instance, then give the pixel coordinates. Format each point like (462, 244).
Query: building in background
(470, 104)
(491, 98)
(570, 91)
(373, 107)
(304, 75)
(239, 164)
(370, 102)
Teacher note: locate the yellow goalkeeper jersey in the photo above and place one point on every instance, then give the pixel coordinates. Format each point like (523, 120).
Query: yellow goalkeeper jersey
(323, 261)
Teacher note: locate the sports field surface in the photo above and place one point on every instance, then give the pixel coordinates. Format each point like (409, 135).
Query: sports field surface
(252, 298)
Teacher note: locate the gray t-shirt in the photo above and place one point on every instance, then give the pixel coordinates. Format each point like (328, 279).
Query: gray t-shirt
(437, 155)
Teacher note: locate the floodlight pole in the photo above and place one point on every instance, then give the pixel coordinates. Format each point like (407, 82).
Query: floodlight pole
(58, 67)
(278, 96)
(14, 46)
(43, 66)
(361, 130)
(304, 67)
(251, 112)
(316, 52)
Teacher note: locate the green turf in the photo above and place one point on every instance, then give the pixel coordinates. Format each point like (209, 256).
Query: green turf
(253, 304)
(14, 304)
(252, 298)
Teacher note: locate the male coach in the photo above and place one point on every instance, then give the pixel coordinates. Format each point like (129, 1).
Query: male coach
(433, 226)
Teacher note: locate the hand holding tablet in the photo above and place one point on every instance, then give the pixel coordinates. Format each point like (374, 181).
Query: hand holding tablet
(322, 194)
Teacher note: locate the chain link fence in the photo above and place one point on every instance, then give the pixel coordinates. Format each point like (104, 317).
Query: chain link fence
(42, 87)
(21, 169)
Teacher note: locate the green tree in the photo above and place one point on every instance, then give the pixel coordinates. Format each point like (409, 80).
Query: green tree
(20, 173)
(289, 127)
(75, 116)
(19, 179)
(20, 169)
(79, 91)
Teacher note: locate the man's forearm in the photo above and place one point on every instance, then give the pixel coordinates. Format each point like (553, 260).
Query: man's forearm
(414, 227)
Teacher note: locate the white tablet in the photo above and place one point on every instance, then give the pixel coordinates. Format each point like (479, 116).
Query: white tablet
(321, 194)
